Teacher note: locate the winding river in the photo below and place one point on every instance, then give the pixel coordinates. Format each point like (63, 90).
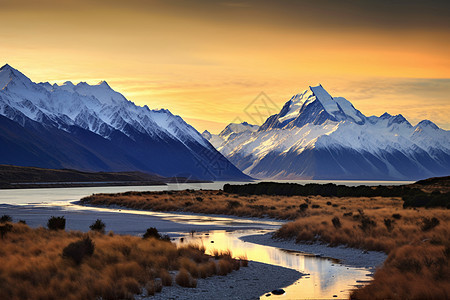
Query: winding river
(325, 277)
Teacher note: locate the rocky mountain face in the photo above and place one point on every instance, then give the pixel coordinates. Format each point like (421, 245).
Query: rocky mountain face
(317, 136)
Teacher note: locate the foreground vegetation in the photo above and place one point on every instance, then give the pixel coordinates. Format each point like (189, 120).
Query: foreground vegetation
(415, 239)
(55, 264)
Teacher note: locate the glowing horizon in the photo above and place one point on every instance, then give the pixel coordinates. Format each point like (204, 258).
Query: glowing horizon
(207, 60)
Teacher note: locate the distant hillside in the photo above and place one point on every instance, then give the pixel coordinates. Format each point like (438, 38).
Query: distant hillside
(31, 177)
(441, 184)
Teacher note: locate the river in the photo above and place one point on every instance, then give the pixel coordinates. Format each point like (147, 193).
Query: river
(326, 276)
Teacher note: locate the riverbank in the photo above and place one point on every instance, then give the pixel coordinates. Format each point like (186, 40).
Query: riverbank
(348, 256)
(247, 283)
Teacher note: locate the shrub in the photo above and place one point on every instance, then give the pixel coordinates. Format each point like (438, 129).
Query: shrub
(207, 269)
(429, 223)
(152, 232)
(98, 225)
(225, 266)
(199, 199)
(4, 229)
(22, 222)
(56, 223)
(233, 204)
(366, 223)
(243, 260)
(303, 207)
(336, 222)
(78, 250)
(166, 278)
(389, 224)
(185, 279)
(5, 218)
(397, 216)
(153, 287)
(329, 203)
(315, 206)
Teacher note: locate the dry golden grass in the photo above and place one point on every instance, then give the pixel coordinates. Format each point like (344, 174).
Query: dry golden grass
(218, 202)
(417, 266)
(418, 263)
(33, 267)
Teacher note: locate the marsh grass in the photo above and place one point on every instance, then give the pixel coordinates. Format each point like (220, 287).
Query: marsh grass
(217, 202)
(34, 264)
(415, 239)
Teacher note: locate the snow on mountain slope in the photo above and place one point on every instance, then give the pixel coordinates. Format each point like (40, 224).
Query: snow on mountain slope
(101, 110)
(231, 136)
(318, 136)
(90, 106)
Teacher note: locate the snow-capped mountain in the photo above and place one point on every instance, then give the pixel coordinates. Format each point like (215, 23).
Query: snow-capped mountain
(93, 127)
(316, 136)
(230, 137)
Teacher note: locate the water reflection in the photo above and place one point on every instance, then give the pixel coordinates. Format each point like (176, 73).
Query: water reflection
(324, 277)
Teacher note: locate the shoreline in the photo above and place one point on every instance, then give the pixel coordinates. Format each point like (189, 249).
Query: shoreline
(347, 256)
(246, 283)
(263, 220)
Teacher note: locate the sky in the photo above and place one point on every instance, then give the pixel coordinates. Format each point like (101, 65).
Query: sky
(216, 62)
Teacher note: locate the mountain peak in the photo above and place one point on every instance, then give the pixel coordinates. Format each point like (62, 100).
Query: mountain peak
(238, 128)
(425, 124)
(103, 83)
(6, 67)
(325, 99)
(315, 105)
(9, 74)
(206, 135)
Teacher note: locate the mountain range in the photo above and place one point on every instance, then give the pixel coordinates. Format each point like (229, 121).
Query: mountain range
(94, 128)
(317, 136)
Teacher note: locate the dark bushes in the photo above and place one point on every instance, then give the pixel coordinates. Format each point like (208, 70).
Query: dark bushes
(152, 232)
(5, 218)
(98, 225)
(412, 197)
(336, 222)
(418, 198)
(233, 204)
(303, 207)
(4, 229)
(313, 189)
(397, 216)
(389, 224)
(429, 223)
(56, 223)
(78, 250)
(366, 223)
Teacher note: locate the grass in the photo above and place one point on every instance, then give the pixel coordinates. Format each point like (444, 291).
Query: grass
(218, 202)
(415, 239)
(36, 266)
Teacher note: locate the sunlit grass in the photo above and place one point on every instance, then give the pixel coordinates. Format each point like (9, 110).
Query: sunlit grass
(33, 267)
(416, 240)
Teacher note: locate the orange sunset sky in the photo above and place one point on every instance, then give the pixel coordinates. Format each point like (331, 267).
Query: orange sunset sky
(207, 60)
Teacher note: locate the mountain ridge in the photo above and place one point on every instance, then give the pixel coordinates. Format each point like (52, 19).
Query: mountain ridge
(105, 131)
(316, 136)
